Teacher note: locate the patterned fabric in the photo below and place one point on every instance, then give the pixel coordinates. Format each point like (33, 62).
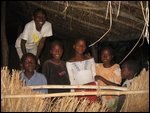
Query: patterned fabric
(81, 72)
(112, 74)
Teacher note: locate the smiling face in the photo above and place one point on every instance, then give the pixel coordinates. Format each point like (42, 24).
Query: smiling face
(80, 46)
(39, 19)
(125, 72)
(56, 51)
(29, 64)
(106, 56)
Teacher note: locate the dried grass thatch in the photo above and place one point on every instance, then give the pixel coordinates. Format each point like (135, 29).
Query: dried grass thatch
(15, 96)
(11, 85)
(70, 104)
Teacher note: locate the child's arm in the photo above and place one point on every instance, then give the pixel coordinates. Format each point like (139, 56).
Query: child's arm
(24, 38)
(97, 77)
(23, 47)
(40, 46)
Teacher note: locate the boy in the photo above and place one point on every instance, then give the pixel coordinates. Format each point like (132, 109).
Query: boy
(33, 37)
(55, 69)
(29, 74)
(129, 69)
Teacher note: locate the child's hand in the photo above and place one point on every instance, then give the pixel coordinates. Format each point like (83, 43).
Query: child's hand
(98, 77)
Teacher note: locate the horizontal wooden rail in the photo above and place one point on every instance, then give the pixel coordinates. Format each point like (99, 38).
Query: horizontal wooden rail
(77, 86)
(82, 93)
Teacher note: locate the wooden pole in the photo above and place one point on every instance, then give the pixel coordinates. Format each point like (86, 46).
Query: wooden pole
(4, 43)
(77, 86)
(98, 93)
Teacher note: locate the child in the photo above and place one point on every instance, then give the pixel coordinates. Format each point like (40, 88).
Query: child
(55, 69)
(34, 35)
(81, 67)
(129, 69)
(108, 73)
(29, 73)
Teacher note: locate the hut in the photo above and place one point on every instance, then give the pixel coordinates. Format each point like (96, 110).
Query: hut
(123, 24)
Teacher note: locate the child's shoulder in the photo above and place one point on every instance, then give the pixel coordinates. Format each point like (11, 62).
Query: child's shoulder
(47, 61)
(31, 23)
(73, 59)
(50, 62)
(116, 66)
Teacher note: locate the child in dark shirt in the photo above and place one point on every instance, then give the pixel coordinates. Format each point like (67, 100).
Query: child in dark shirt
(55, 69)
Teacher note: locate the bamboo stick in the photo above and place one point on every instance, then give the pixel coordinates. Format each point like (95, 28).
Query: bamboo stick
(77, 86)
(110, 92)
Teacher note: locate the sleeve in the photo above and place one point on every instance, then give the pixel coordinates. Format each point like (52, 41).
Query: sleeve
(44, 82)
(93, 67)
(96, 68)
(47, 30)
(44, 69)
(25, 32)
(47, 71)
(70, 73)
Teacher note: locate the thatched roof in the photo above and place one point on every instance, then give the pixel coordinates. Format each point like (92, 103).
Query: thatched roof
(72, 19)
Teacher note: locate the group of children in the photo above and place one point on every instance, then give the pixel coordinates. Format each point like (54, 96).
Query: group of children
(80, 69)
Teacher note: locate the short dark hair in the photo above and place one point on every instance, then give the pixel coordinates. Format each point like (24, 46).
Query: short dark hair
(133, 66)
(28, 55)
(108, 47)
(56, 42)
(78, 39)
(39, 10)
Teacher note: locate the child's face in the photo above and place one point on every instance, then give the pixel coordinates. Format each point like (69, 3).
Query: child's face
(56, 51)
(125, 72)
(29, 64)
(80, 47)
(106, 56)
(39, 19)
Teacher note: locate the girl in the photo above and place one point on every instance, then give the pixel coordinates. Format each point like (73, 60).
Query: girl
(55, 69)
(81, 68)
(108, 73)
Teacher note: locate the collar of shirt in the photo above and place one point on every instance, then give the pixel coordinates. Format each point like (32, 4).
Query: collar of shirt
(127, 82)
(23, 76)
